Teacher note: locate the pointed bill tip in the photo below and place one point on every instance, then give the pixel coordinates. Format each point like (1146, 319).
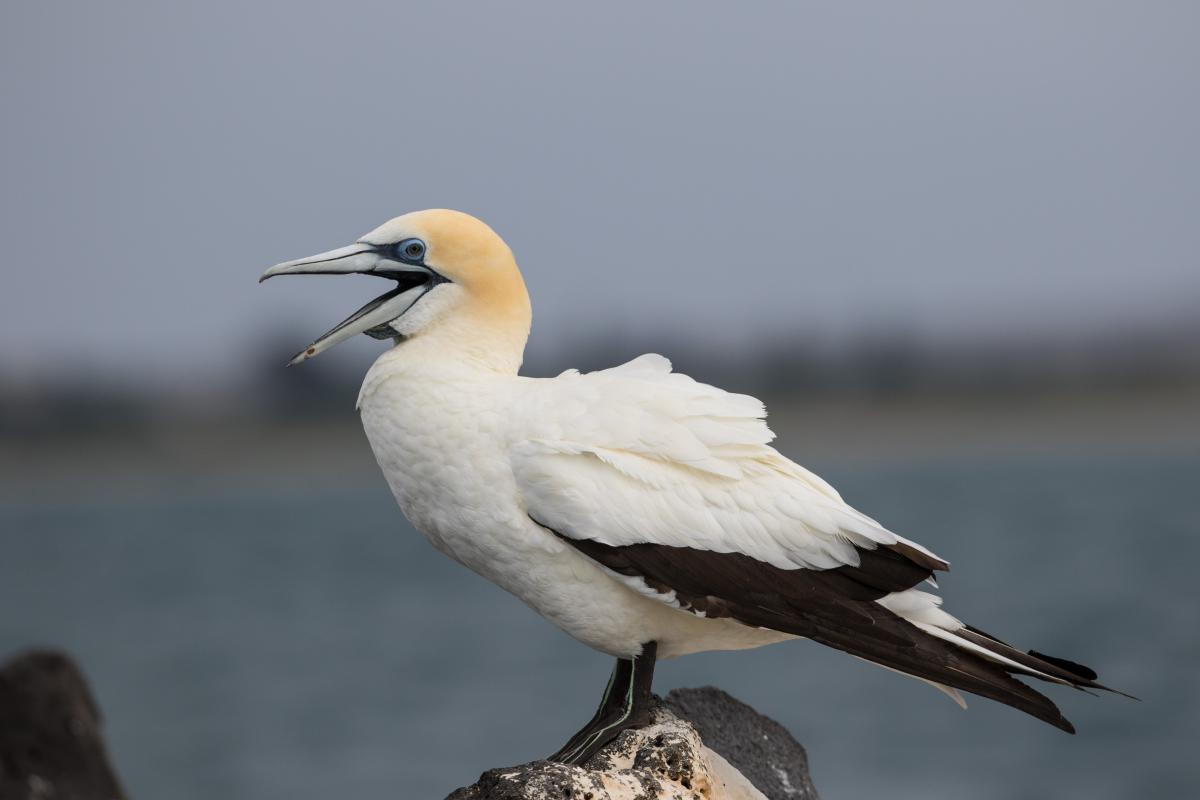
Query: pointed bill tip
(303, 355)
(278, 269)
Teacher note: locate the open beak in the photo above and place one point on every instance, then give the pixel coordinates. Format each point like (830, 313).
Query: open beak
(412, 281)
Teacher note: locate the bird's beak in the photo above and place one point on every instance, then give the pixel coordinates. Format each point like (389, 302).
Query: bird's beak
(358, 257)
(412, 281)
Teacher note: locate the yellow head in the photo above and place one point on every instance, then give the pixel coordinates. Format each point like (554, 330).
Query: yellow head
(451, 271)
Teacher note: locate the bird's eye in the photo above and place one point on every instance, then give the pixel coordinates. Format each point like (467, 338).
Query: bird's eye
(411, 249)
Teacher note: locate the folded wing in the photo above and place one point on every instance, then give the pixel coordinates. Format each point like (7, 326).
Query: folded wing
(667, 481)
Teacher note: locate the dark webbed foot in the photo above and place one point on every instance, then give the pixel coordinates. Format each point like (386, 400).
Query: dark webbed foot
(626, 704)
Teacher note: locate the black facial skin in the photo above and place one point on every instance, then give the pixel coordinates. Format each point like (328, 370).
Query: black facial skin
(408, 251)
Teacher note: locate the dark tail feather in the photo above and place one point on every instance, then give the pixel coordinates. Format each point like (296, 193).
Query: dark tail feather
(876, 634)
(1060, 669)
(1087, 673)
(941, 662)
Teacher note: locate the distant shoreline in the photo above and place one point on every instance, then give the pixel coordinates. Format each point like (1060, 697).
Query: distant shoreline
(328, 452)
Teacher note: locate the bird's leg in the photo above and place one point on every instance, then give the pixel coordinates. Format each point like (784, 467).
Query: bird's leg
(626, 704)
(610, 706)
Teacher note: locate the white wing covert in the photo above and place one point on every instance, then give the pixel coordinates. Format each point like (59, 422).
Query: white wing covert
(639, 454)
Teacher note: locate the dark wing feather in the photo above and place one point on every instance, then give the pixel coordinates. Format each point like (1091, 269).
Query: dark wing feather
(886, 570)
(834, 607)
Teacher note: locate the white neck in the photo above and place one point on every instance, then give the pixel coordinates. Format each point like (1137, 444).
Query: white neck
(464, 343)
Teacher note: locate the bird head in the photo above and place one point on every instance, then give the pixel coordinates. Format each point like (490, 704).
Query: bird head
(447, 266)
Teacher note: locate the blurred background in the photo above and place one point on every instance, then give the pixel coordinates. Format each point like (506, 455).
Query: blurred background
(953, 247)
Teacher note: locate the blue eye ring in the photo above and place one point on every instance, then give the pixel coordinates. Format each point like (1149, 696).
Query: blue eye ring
(410, 250)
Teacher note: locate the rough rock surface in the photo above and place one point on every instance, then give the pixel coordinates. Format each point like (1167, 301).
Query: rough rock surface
(50, 742)
(701, 745)
(757, 746)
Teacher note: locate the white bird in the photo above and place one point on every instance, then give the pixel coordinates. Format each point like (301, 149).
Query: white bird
(640, 511)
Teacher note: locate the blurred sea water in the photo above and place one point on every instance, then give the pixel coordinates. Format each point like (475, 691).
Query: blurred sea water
(253, 639)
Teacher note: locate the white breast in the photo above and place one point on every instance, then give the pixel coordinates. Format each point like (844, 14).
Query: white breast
(439, 440)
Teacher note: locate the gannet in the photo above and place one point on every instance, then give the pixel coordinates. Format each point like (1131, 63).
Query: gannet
(644, 513)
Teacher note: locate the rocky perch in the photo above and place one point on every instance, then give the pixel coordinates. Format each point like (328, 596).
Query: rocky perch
(702, 745)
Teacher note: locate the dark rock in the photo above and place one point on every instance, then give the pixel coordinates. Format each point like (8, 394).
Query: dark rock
(757, 746)
(50, 742)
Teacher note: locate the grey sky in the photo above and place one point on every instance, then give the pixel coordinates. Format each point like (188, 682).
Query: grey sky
(725, 171)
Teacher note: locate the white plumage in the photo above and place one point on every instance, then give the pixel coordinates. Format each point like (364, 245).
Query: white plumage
(474, 460)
